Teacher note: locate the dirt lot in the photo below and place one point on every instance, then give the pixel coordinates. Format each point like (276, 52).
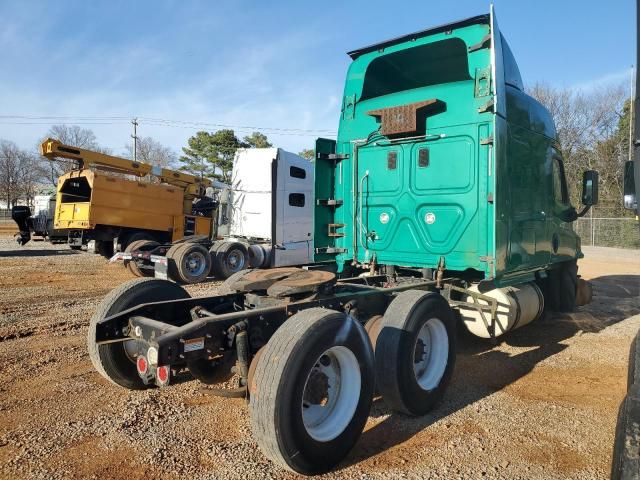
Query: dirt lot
(541, 404)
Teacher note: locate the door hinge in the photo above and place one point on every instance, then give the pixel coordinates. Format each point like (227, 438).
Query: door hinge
(490, 197)
(332, 230)
(486, 258)
(332, 156)
(486, 141)
(329, 202)
(334, 250)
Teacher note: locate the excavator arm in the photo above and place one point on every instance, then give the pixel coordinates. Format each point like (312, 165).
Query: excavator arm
(193, 186)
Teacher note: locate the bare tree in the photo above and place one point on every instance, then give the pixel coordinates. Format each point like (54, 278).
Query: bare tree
(69, 135)
(20, 174)
(152, 152)
(587, 124)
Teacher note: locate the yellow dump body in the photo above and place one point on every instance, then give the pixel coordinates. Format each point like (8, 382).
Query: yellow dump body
(87, 198)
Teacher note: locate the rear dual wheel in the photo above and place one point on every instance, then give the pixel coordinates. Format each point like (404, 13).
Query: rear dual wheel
(312, 390)
(415, 352)
(188, 262)
(229, 258)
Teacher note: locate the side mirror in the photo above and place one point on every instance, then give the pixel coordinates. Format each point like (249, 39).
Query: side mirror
(629, 187)
(590, 188)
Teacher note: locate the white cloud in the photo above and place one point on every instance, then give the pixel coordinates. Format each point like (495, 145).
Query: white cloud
(255, 87)
(608, 79)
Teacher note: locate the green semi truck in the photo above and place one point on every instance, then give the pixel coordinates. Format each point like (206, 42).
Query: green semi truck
(442, 205)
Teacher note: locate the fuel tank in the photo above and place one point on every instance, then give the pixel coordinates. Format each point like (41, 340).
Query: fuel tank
(517, 306)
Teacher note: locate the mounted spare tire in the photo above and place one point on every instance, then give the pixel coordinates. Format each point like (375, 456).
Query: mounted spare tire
(188, 262)
(117, 361)
(230, 258)
(311, 391)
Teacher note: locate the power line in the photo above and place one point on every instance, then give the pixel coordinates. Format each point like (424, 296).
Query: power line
(115, 120)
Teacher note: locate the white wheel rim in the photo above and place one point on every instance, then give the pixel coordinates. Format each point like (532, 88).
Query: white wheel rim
(431, 354)
(331, 394)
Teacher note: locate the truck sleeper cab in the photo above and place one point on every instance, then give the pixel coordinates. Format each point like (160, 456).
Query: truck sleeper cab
(443, 192)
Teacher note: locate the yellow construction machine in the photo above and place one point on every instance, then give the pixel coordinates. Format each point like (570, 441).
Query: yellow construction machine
(106, 199)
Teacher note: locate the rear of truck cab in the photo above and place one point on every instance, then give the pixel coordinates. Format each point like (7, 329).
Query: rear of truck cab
(441, 158)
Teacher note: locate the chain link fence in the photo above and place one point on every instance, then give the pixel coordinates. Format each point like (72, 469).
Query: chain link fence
(608, 226)
(608, 232)
(5, 215)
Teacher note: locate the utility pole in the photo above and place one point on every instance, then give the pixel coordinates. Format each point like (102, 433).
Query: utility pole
(631, 113)
(636, 123)
(134, 122)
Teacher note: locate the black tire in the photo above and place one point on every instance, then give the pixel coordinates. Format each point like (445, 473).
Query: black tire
(561, 287)
(215, 246)
(189, 263)
(105, 248)
(280, 384)
(625, 463)
(633, 372)
(230, 258)
(111, 360)
(569, 287)
(257, 256)
(132, 265)
(397, 349)
(134, 237)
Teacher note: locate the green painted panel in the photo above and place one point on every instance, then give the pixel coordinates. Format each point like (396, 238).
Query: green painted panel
(463, 182)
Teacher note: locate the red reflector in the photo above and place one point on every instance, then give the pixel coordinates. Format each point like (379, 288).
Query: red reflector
(162, 374)
(141, 364)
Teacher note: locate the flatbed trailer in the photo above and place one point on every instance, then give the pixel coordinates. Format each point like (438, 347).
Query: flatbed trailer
(441, 205)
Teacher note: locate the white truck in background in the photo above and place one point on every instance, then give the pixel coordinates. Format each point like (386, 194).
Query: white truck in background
(269, 207)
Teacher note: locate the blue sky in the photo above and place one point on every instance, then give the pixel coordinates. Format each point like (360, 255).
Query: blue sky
(278, 65)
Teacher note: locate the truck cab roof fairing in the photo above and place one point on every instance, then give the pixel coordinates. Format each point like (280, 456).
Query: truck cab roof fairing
(354, 54)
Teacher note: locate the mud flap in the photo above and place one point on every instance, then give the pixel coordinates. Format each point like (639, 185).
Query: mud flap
(22, 216)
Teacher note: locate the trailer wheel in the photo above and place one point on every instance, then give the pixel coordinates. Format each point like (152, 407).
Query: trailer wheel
(230, 258)
(189, 262)
(415, 352)
(116, 361)
(132, 265)
(312, 390)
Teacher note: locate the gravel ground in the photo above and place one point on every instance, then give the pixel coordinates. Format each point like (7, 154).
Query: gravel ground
(541, 404)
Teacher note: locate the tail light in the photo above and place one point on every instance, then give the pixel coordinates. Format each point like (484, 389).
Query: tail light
(162, 375)
(142, 365)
